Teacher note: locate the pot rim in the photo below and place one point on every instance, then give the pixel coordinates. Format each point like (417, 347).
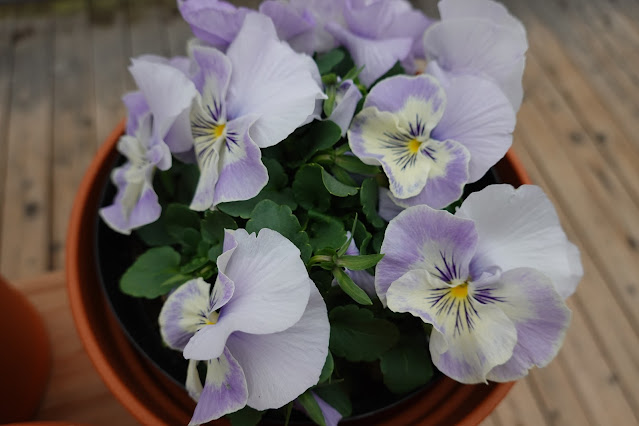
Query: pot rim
(139, 386)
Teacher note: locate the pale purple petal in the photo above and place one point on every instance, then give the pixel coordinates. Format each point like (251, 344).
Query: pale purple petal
(208, 160)
(331, 416)
(480, 47)
(271, 82)
(213, 21)
(540, 316)
(271, 292)
(409, 97)
(377, 56)
(288, 21)
(346, 100)
(446, 179)
(213, 74)
(423, 238)
(184, 312)
(222, 292)
(224, 391)
(520, 228)
(362, 279)
(477, 115)
(279, 367)
(242, 174)
(168, 93)
(135, 205)
(193, 383)
(484, 9)
(388, 209)
(136, 107)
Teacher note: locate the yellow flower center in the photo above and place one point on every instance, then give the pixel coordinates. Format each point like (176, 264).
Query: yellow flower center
(212, 319)
(460, 291)
(218, 131)
(413, 145)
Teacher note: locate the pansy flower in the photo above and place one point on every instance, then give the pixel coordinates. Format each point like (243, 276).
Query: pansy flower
(378, 34)
(480, 38)
(492, 287)
(347, 97)
(302, 23)
(252, 97)
(431, 139)
(262, 330)
(136, 203)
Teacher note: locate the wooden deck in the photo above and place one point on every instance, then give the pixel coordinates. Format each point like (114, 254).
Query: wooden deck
(63, 71)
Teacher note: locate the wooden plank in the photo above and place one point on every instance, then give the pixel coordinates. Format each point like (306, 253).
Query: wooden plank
(75, 393)
(613, 86)
(491, 420)
(73, 115)
(520, 407)
(6, 70)
(178, 30)
(26, 235)
(110, 42)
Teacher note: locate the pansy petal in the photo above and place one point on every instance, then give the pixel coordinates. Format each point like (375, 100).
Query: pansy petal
(270, 81)
(208, 160)
(213, 21)
(184, 313)
(520, 228)
(135, 205)
(281, 366)
(271, 292)
(419, 101)
(136, 108)
(362, 279)
(388, 209)
(331, 416)
(469, 338)
(541, 318)
(242, 174)
(484, 9)
(447, 176)
(477, 46)
(222, 292)
(193, 383)
(423, 238)
(213, 74)
(224, 390)
(376, 138)
(288, 22)
(377, 56)
(168, 93)
(346, 100)
(479, 116)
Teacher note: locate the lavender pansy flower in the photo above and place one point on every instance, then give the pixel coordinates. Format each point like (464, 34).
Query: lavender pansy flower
(251, 98)
(346, 99)
(136, 203)
(302, 22)
(213, 21)
(377, 47)
(263, 330)
(491, 326)
(520, 228)
(394, 130)
(481, 38)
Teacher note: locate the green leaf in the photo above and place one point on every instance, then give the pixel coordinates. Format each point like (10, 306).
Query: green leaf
(345, 246)
(355, 165)
(359, 263)
(180, 217)
(407, 365)
(213, 226)
(194, 265)
(378, 239)
(368, 197)
(155, 234)
(329, 60)
(327, 370)
(343, 176)
(153, 274)
(358, 336)
(329, 103)
(187, 180)
(336, 187)
(246, 416)
(310, 139)
(330, 234)
(348, 285)
(362, 237)
(309, 188)
(312, 408)
(335, 396)
(268, 214)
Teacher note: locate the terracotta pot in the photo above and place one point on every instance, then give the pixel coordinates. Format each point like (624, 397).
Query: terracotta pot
(151, 397)
(25, 357)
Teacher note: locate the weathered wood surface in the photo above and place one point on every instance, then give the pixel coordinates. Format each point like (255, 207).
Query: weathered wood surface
(63, 72)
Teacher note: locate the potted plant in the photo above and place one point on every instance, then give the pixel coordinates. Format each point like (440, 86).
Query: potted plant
(301, 217)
